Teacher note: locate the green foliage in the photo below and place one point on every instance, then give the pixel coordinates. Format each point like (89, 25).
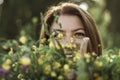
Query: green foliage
(25, 60)
(17, 15)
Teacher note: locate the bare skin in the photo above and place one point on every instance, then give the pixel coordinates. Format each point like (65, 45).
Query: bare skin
(72, 27)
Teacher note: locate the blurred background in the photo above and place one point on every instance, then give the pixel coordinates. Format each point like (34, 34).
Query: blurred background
(22, 18)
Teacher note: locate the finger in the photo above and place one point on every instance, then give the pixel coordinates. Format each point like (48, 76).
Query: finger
(83, 46)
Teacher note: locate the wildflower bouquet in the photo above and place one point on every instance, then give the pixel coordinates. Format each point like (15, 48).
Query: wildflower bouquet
(23, 62)
(48, 62)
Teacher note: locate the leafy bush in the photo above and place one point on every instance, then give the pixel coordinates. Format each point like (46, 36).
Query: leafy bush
(24, 60)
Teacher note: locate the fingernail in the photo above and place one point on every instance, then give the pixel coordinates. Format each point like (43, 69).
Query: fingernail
(86, 39)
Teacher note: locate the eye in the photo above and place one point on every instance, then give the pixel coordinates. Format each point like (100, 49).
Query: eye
(79, 35)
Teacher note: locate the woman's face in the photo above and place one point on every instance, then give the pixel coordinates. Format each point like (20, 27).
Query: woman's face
(72, 29)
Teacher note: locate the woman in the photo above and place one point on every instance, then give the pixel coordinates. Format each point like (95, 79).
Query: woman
(76, 24)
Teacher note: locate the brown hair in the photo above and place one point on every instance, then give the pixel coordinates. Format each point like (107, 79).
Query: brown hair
(89, 24)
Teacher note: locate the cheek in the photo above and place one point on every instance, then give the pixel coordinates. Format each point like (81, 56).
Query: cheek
(78, 42)
(62, 41)
(75, 41)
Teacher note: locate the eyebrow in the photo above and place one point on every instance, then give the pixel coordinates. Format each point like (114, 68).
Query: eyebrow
(73, 30)
(60, 30)
(78, 29)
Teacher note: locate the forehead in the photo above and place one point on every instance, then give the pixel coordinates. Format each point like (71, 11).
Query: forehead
(68, 22)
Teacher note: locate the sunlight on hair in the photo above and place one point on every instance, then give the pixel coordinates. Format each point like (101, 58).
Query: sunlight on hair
(1, 2)
(84, 6)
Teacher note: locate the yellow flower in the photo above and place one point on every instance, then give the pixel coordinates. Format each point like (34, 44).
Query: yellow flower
(42, 41)
(14, 64)
(107, 58)
(53, 74)
(51, 44)
(98, 63)
(60, 77)
(25, 61)
(74, 46)
(87, 55)
(5, 47)
(8, 61)
(40, 61)
(57, 46)
(47, 68)
(70, 62)
(20, 76)
(62, 45)
(23, 39)
(60, 35)
(94, 54)
(66, 67)
(34, 47)
(69, 45)
(77, 56)
(6, 64)
(87, 60)
(57, 64)
(10, 52)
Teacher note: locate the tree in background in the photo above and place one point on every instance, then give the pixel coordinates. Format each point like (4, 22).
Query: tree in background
(18, 14)
(114, 27)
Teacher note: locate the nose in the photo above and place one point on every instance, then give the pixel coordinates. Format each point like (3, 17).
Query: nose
(68, 42)
(68, 38)
(68, 46)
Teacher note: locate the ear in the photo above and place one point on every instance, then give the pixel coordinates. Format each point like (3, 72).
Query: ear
(83, 46)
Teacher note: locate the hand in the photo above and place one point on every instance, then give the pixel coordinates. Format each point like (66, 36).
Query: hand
(83, 46)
